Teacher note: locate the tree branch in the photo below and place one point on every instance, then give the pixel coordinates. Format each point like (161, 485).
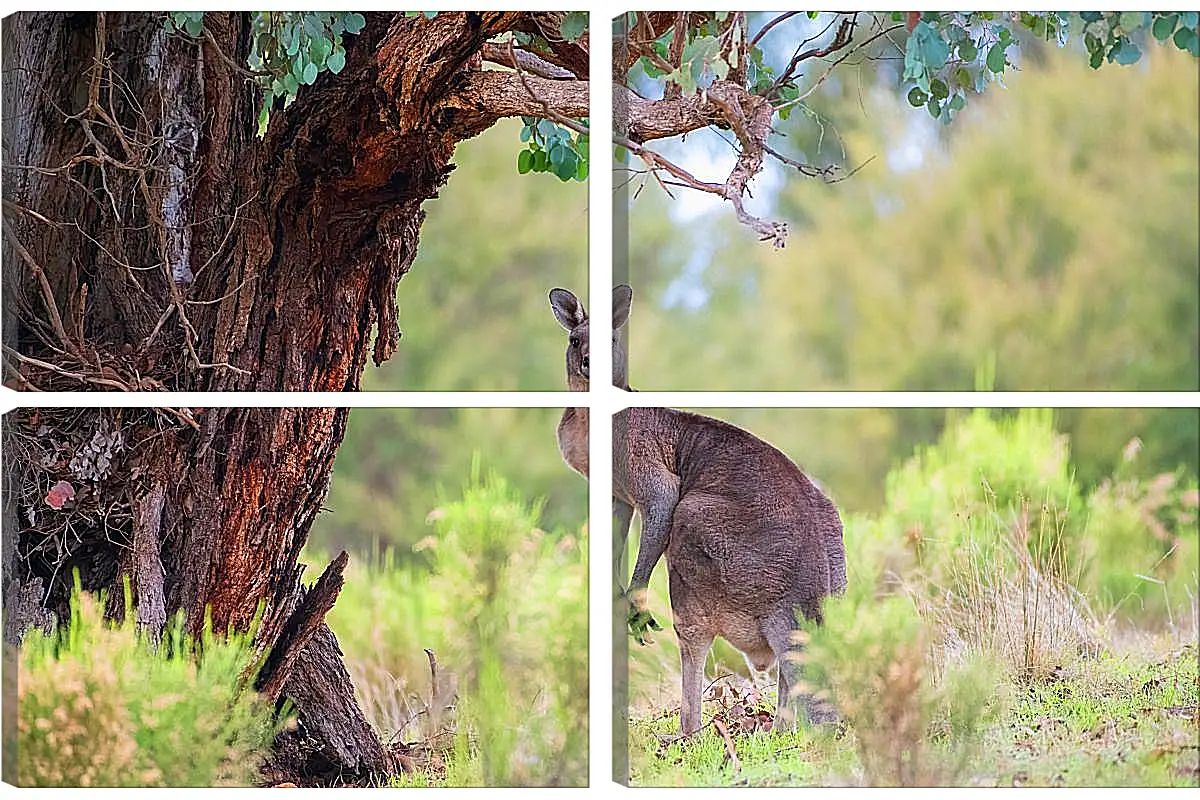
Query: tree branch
(766, 28)
(480, 98)
(500, 54)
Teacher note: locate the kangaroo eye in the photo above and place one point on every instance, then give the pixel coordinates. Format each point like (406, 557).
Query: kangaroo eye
(574, 341)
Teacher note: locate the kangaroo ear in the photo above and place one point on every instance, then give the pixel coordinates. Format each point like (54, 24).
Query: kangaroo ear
(567, 309)
(622, 297)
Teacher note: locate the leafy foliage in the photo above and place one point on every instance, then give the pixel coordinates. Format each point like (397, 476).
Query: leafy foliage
(949, 55)
(288, 49)
(293, 48)
(100, 705)
(574, 25)
(553, 149)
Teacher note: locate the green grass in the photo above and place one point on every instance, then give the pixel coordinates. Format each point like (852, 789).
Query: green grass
(1115, 721)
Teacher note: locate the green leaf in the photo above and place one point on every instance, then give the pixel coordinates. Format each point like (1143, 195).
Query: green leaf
(264, 114)
(318, 50)
(957, 102)
(574, 25)
(788, 92)
(1190, 19)
(1131, 21)
(194, 26)
(939, 89)
(916, 97)
(1126, 53)
(581, 170)
(967, 50)
(720, 68)
(1164, 26)
(354, 23)
(931, 48)
(524, 161)
(1183, 38)
(336, 61)
(995, 58)
(310, 73)
(695, 59)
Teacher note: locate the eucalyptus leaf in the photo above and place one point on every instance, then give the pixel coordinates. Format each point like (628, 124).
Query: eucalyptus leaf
(574, 25)
(336, 61)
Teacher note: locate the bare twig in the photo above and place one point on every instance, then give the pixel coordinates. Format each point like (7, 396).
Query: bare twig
(843, 37)
(771, 24)
(730, 753)
(78, 376)
(47, 292)
(551, 114)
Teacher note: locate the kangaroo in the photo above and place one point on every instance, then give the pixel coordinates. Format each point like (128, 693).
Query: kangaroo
(749, 541)
(570, 313)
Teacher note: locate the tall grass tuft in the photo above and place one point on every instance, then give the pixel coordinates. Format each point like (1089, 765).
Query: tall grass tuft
(99, 704)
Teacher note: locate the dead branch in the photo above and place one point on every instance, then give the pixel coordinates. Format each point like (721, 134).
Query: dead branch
(47, 292)
(843, 37)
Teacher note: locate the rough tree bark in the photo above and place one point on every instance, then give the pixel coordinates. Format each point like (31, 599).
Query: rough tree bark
(152, 241)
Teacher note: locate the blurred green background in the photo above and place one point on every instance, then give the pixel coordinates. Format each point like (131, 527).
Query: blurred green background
(851, 450)
(397, 464)
(473, 309)
(1051, 232)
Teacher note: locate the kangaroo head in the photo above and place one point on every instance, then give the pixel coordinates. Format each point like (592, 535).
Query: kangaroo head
(570, 313)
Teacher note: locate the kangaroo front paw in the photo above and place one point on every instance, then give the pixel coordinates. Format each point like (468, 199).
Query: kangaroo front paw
(641, 621)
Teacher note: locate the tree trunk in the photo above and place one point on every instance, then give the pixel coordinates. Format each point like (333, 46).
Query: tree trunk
(152, 241)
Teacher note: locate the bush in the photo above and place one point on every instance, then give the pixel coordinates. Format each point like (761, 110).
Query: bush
(1146, 548)
(911, 727)
(503, 605)
(990, 533)
(100, 705)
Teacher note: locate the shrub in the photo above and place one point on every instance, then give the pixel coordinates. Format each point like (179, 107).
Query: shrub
(911, 727)
(1146, 545)
(503, 605)
(100, 705)
(518, 599)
